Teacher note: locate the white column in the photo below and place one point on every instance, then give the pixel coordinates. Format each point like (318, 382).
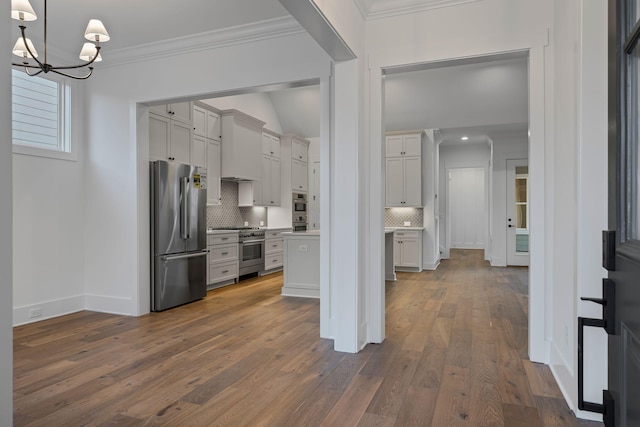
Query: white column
(6, 240)
(345, 208)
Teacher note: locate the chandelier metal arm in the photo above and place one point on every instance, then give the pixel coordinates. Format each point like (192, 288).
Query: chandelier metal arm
(86, 76)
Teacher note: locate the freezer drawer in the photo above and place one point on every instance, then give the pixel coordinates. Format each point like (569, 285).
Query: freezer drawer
(178, 279)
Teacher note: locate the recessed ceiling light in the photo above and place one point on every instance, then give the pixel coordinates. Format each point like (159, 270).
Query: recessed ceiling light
(464, 138)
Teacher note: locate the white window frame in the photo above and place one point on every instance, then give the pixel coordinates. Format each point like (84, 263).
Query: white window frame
(67, 115)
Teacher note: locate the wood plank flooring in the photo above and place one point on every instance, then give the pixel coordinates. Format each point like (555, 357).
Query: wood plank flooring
(455, 355)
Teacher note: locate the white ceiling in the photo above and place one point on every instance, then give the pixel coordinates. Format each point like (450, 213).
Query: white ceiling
(136, 22)
(474, 98)
(471, 98)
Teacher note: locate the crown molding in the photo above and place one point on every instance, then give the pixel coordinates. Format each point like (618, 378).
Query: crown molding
(364, 6)
(387, 8)
(248, 33)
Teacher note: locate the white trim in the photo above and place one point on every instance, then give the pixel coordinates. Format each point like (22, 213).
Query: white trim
(108, 304)
(498, 262)
(241, 34)
(50, 309)
(431, 265)
(388, 8)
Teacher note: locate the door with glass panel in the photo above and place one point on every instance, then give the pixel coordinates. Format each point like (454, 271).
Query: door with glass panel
(623, 261)
(518, 212)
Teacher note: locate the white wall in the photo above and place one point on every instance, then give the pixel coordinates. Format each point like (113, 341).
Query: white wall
(505, 146)
(458, 156)
(257, 105)
(48, 235)
(6, 246)
(117, 213)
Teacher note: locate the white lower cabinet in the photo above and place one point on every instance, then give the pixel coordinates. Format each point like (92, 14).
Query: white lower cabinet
(222, 259)
(274, 250)
(407, 250)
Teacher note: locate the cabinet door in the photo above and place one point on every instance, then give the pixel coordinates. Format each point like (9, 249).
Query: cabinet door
(213, 125)
(275, 146)
(412, 181)
(394, 146)
(298, 175)
(275, 174)
(199, 151)
(161, 110)
(213, 173)
(158, 137)
(410, 253)
(395, 182)
(180, 142)
(182, 111)
(266, 145)
(397, 252)
(199, 121)
(299, 150)
(412, 145)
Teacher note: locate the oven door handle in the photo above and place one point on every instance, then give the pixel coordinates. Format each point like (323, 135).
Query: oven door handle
(252, 241)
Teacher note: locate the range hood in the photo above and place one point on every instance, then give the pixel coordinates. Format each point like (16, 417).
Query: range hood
(241, 147)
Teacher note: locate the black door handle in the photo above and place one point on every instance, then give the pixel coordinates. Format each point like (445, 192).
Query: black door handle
(607, 408)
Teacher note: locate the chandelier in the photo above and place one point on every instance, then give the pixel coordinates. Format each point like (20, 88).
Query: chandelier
(22, 11)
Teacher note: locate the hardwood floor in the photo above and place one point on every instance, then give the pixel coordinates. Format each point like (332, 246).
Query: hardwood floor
(455, 355)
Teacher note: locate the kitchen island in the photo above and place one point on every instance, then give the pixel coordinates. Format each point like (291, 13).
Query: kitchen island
(301, 264)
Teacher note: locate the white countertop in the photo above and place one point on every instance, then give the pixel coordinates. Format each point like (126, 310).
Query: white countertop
(403, 228)
(310, 233)
(210, 231)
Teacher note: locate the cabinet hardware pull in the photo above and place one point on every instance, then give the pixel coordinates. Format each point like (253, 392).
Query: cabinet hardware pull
(224, 238)
(224, 253)
(224, 271)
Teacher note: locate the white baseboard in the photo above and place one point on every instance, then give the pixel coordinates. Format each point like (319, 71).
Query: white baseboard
(111, 305)
(431, 265)
(498, 262)
(48, 309)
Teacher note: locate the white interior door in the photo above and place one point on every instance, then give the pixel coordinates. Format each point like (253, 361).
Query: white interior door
(518, 212)
(466, 208)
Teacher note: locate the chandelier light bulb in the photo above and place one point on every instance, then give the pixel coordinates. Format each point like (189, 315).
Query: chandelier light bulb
(88, 52)
(19, 49)
(22, 10)
(96, 32)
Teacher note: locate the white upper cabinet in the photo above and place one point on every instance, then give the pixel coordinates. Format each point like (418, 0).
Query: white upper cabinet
(403, 170)
(169, 139)
(404, 145)
(213, 172)
(300, 150)
(206, 122)
(270, 145)
(299, 176)
(181, 111)
(199, 151)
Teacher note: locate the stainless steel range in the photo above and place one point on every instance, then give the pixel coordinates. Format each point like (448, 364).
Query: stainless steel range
(251, 250)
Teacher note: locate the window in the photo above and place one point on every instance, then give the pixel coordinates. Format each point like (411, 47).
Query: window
(40, 117)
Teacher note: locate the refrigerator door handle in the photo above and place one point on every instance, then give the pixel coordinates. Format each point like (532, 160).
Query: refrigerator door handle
(167, 258)
(184, 207)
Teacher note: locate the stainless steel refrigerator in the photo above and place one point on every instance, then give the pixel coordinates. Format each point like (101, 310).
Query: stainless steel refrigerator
(178, 234)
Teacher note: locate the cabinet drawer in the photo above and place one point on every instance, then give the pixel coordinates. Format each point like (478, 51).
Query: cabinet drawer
(272, 261)
(220, 272)
(216, 239)
(223, 252)
(273, 245)
(407, 234)
(275, 234)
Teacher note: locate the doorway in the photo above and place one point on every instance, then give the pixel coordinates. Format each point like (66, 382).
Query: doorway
(466, 211)
(518, 212)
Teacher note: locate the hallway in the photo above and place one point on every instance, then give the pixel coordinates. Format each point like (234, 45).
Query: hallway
(455, 354)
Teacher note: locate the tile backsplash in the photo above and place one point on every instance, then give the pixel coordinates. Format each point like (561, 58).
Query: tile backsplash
(395, 217)
(228, 214)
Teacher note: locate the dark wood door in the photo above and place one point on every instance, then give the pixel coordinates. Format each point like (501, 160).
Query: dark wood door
(624, 207)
